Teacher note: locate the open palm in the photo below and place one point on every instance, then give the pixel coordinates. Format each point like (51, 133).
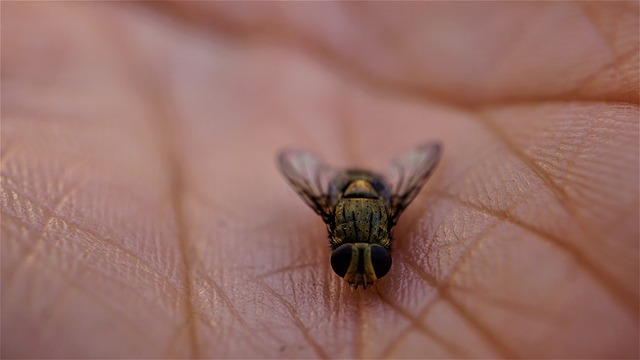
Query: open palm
(143, 214)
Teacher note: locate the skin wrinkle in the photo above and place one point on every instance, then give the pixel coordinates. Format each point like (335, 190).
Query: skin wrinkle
(586, 190)
(618, 59)
(235, 313)
(617, 63)
(581, 180)
(183, 240)
(226, 300)
(561, 195)
(73, 285)
(443, 286)
(517, 308)
(289, 268)
(141, 263)
(463, 257)
(578, 148)
(446, 285)
(178, 202)
(489, 337)
(155, 91)
(415, 322)
(617, 291)
(295, 319)
(40, 237)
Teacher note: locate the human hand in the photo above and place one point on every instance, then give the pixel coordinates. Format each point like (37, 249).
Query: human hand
(143, 215)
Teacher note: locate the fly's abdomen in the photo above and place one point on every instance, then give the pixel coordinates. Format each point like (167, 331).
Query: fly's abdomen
(361, 220)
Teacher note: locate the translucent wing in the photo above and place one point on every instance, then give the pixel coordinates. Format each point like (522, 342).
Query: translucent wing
(309, 177)
(408, 174)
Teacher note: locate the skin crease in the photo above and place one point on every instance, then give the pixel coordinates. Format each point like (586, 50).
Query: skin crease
(143, 215)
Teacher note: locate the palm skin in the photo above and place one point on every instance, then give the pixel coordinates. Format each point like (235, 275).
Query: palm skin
(143, 214)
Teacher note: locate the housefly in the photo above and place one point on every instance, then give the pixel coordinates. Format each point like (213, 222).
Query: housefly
(359, 207)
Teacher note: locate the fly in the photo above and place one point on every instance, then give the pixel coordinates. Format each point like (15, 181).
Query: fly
(359, 207)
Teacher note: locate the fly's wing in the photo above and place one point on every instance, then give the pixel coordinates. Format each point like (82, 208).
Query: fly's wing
(309, 177)
(408, 174)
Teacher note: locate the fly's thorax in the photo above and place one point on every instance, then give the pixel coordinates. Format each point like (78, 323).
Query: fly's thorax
(361, 216)
(355, 183)
(360, 189)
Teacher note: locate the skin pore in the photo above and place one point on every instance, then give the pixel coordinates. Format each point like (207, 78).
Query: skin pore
(143, 214)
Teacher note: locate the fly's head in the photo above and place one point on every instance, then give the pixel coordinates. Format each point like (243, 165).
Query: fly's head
(360, 263)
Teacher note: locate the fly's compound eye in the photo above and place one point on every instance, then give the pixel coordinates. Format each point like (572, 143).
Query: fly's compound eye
(341, 259)
(380, 260)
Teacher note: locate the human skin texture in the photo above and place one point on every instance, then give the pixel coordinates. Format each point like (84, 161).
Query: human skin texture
(143, 215)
